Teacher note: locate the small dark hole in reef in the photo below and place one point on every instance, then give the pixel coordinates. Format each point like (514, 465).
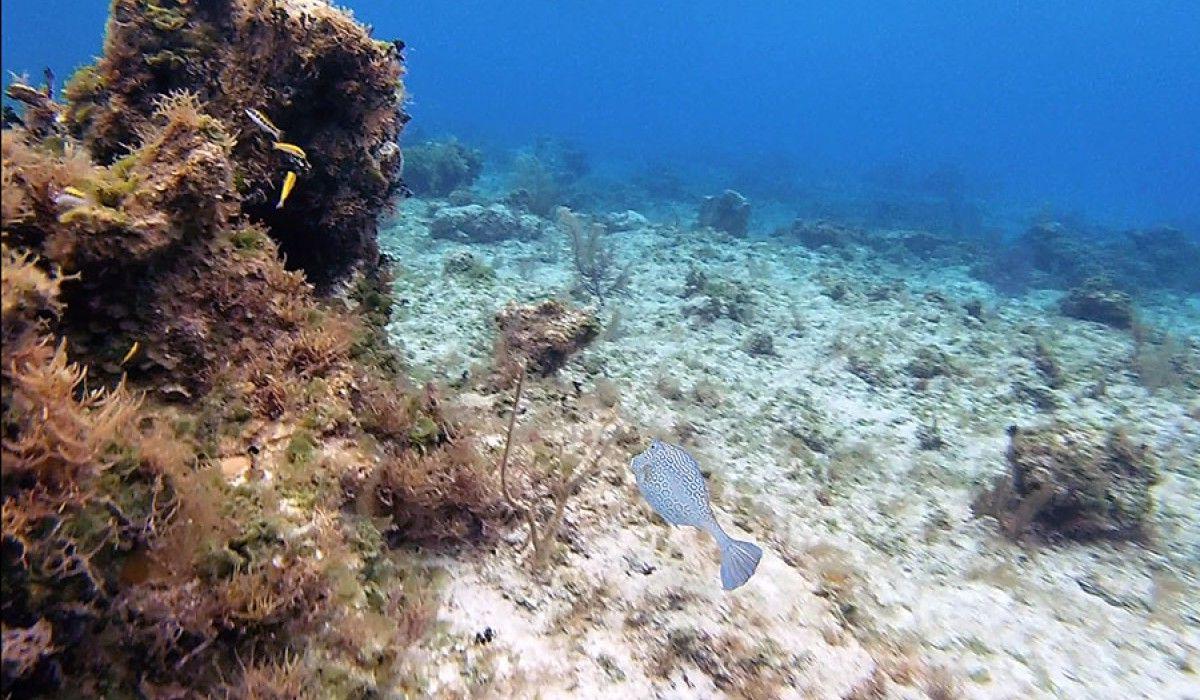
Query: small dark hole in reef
(324, 255)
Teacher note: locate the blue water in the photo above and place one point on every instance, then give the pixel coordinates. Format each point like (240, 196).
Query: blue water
(1089, 107)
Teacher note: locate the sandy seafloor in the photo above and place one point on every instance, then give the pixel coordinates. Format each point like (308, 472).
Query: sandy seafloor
(876, 580)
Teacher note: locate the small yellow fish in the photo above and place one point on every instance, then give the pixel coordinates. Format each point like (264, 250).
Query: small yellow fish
(70, 197)
(132, 351)
(292, 150)
(289, 181)
(260, 120)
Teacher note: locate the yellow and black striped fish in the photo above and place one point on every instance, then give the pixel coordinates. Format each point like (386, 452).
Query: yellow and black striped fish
(260, 120)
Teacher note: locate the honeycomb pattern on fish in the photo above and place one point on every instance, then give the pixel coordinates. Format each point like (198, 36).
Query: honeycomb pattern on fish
(671, 482)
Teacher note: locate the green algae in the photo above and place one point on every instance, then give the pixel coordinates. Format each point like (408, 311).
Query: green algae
(424, 430)
(301, 449)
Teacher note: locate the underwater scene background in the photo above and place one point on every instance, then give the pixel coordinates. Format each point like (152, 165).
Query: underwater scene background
(344, 349)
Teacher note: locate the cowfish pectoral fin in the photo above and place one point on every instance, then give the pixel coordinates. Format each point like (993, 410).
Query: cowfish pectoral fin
(738, 562)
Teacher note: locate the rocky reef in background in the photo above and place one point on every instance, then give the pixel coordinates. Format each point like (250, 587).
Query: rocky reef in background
(205, 461)
(1059, 255)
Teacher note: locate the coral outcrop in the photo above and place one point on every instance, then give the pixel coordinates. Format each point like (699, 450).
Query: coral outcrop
(627, 220)
(463, 263)
(1165, 257)
(728, 212)
(1074, 482)
(815, 234)
(309, 68)
(437, 168)
(1099, 301)
(204, 461)
(543, 336)
(475, 223)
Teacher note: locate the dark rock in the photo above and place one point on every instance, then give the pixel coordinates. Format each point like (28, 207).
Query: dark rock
(728, 211)
(761, 344)
(714, 298)
(464, 263)
(815, 234)
(1097, 300)
(929, 362)
(486, 636)
(929, 436)
(1165, 257)
(1074, 482)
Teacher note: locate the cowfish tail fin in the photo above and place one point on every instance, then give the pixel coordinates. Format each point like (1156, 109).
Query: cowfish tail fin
(738, 562)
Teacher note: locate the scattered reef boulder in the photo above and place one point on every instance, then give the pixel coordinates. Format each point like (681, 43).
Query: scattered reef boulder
(1099, 301)
(475, 223)
(543, 336)
(437, 168)
(728, 212)
(1062, 255)
(1073, 482)
(929, 362)
(308, 67)
(820, 232)
(466, 264)
(628, 220)
(1059, 253)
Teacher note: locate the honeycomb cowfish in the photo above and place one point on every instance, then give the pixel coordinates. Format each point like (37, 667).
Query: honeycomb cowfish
(670, 481)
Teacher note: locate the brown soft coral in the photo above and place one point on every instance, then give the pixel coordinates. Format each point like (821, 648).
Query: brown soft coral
(30, 297)
(444, 494)
(61, 438)
(33, 174)
(177, 185)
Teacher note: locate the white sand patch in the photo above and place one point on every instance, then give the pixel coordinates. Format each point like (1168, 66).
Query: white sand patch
(874, 564)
